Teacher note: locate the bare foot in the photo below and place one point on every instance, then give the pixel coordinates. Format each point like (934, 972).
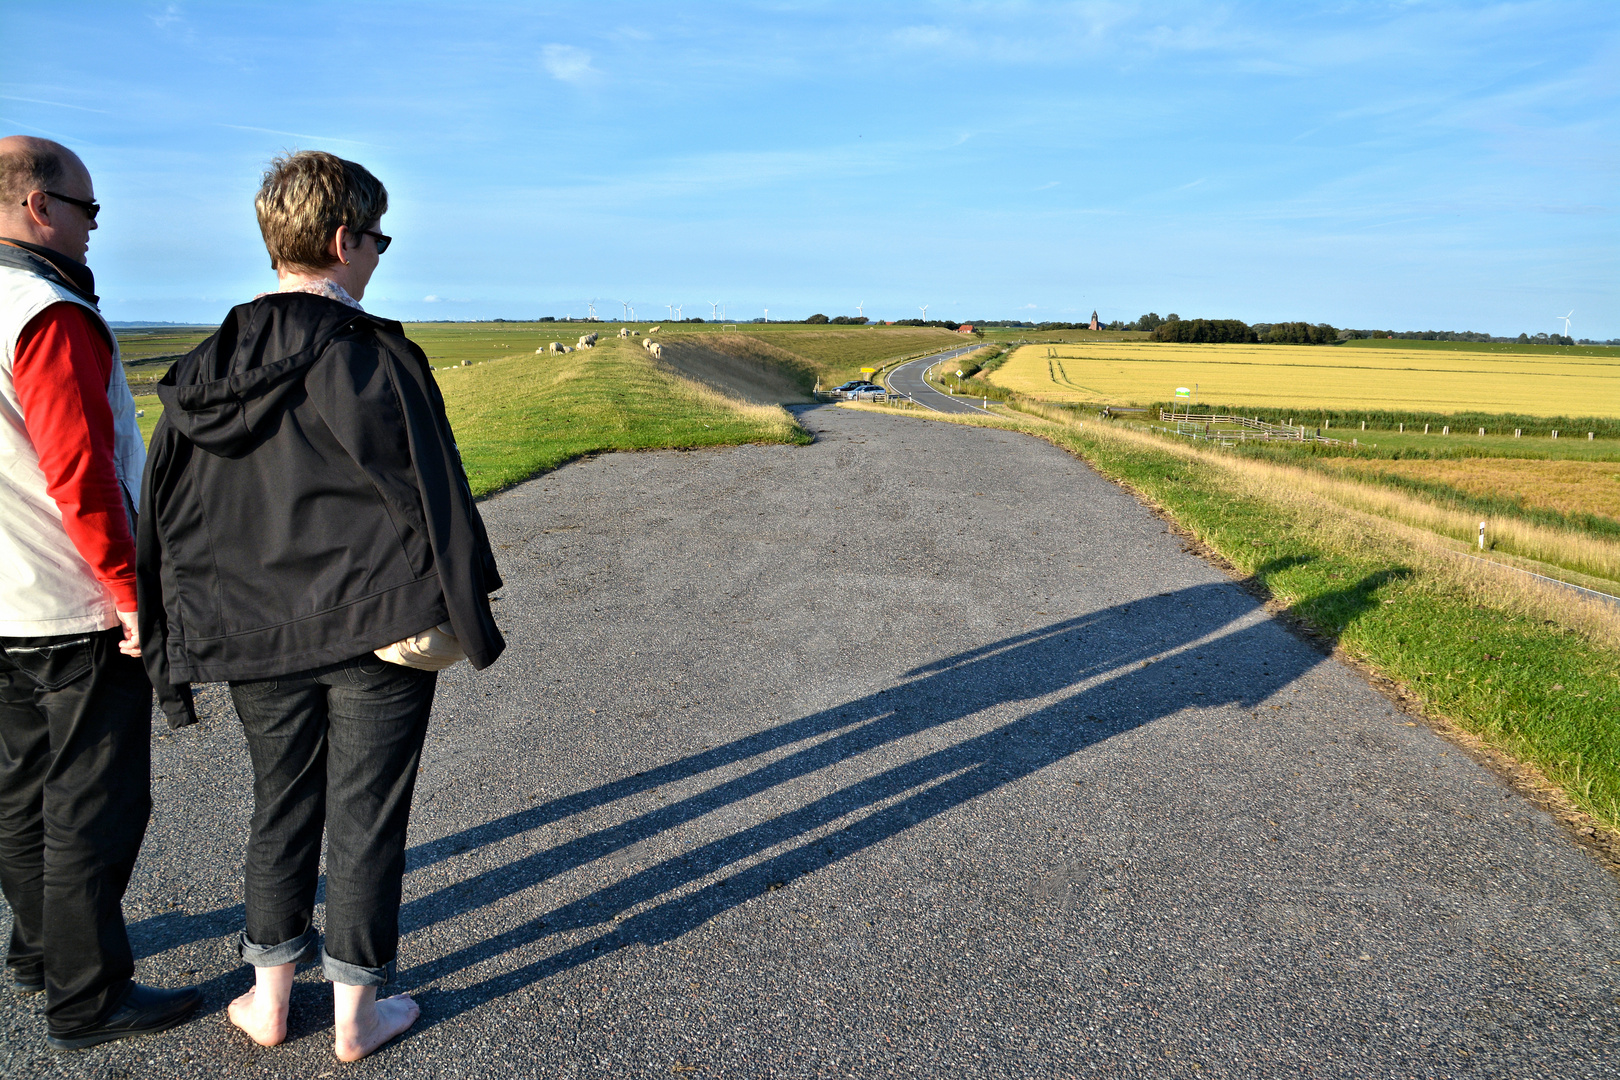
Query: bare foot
(374, 1023)
(262, 1016)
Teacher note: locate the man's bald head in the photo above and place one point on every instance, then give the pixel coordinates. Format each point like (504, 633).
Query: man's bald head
(46, 196)
(30, 164)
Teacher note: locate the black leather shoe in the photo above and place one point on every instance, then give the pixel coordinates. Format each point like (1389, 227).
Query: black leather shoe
(28, 984)
(145, 1011)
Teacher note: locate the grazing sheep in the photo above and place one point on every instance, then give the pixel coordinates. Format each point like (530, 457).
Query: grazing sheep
(657, 350)
(585, 342)
(624, 331)
(655, 329)
(555, 346)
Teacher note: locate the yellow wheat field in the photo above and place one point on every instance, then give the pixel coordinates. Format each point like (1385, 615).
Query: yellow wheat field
(1570, 487)
(1305, 377)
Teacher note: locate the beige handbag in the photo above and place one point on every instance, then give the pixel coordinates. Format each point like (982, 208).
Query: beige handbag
(434, 649)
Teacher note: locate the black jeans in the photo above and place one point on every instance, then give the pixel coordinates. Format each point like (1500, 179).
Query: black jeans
(75, 796)
(336, 747)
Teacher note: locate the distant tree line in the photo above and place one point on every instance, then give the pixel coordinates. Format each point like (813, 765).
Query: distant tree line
(946, 323)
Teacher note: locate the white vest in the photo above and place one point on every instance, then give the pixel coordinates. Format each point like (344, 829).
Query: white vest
(46, 587)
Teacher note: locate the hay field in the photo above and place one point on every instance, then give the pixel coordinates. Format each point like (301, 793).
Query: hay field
(1300, 376)
(1568, 487)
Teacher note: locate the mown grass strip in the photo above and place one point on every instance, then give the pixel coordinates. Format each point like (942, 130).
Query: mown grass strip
(520, 416)
(1477, 654)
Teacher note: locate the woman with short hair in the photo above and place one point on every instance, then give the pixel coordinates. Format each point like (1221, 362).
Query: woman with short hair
(307, 534)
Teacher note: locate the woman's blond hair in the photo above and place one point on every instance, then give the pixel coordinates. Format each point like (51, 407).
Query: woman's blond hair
(302, 200)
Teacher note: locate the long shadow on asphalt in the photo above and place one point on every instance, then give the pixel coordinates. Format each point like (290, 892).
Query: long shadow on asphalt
(1110, 651)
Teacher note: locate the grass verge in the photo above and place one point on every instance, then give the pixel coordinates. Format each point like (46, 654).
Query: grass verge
(1524, 667)
(517, 417)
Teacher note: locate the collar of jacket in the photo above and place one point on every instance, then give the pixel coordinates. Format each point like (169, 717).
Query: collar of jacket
(222, 393)
(48, 264)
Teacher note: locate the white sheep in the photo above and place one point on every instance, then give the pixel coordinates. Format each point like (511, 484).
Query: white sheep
(657, 350)
(624, 331)
(586, 342)
(655, 329)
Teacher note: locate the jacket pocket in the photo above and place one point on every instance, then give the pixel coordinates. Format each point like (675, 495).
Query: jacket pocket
(55, 666)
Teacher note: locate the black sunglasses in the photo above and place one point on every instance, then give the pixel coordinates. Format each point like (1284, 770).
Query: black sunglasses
(382, 241)
(91, 209)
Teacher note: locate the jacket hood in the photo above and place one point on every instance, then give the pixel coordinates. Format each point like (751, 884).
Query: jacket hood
(221, 395)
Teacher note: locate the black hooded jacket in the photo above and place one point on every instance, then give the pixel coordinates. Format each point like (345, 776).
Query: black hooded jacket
(303, 503)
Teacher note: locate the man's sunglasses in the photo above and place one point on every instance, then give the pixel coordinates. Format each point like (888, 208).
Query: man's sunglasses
(91, 209)
(382, 241)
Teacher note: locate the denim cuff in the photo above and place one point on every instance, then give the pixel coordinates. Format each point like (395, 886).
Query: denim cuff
(339, 971)
(297, 951)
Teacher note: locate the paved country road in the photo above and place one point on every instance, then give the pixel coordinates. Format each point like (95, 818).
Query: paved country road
(908, 379)
(919, 751)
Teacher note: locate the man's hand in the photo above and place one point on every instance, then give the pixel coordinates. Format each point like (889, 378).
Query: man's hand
(131, 645)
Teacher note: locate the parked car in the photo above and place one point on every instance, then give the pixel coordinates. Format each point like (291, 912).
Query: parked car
(869, 392)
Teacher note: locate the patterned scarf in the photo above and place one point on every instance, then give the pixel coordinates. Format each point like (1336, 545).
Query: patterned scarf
(321, 287)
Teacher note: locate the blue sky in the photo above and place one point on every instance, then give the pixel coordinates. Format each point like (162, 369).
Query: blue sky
(1394, 165)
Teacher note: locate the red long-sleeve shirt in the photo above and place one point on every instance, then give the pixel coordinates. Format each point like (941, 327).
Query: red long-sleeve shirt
(60, 370)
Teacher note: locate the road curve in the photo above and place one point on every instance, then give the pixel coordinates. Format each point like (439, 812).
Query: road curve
(908, 379)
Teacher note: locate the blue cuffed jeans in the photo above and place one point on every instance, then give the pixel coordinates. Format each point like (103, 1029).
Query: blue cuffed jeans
(335, 748)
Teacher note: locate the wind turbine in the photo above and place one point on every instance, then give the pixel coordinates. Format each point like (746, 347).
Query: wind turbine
(678, 310)
(925, 312)
(767, 314)
(1565, 319)
(860, 309)
(714, 310)
(626, 304)
(592, 305)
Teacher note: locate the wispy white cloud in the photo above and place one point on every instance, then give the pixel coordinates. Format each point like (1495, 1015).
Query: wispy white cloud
(568, 63)
(57, 104)
(1049, 184)
(57, 135)
(299, 135)
(171, 15)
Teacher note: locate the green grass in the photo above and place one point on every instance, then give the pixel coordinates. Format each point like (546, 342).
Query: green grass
(1545, 693)
(520, 416)
(159, 341)
(516, 414)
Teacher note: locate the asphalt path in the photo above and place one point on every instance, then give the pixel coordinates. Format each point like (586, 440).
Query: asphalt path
(908, 379)
(918, 751)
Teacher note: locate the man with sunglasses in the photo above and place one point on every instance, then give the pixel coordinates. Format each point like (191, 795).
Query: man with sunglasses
(75, 703)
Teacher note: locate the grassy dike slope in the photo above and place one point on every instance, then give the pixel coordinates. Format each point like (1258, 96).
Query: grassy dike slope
(521, 415)
(1533, 674)
(517, 414)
